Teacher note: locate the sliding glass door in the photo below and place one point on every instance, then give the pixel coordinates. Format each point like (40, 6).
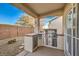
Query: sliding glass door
(71, 32)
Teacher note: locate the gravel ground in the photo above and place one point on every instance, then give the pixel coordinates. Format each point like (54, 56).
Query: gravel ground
(11, 49)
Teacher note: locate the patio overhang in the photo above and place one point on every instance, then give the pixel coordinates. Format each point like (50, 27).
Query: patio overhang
(42, 9)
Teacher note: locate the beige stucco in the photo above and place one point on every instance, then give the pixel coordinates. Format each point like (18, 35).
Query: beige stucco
(58, 12)
(57, 24)
(41, 8)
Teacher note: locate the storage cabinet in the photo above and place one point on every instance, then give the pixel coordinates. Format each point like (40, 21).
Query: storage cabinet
(30, 42)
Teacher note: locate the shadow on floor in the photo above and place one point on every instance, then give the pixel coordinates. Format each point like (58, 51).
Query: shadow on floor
(45, 51)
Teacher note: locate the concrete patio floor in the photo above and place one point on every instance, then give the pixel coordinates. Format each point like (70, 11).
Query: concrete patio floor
(44, 51)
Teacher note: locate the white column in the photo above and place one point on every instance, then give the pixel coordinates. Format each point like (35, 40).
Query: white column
(37, 25)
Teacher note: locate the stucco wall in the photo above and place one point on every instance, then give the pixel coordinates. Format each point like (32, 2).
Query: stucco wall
(57, 24)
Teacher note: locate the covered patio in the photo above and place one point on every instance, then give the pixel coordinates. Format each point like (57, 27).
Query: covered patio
(39, 11)
(59, 38)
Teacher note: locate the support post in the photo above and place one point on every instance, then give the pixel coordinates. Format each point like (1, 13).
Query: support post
(37, 25)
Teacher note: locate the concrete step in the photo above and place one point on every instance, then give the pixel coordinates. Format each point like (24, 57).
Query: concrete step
(23, 53)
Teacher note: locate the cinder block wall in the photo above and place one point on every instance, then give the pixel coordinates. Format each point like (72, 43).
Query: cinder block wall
(10, 31)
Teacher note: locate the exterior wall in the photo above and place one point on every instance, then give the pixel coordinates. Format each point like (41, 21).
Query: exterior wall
(9, 31)
(57, 24)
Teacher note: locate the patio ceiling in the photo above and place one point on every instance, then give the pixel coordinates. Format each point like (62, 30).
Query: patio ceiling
(42, 9)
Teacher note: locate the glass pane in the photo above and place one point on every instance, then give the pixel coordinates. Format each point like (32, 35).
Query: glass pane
(54, 42)
(74, 20)
(74, 10)
(78, 23)
(78, 28)
(69, 43)
(69, 23)
(69, 31)
(74, 16)
(74, 32)
(77, 47)
(74, 46)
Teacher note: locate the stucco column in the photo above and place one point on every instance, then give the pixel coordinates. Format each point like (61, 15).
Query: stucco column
(37, 25)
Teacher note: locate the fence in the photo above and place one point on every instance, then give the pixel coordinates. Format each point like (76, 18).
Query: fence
(9, 31)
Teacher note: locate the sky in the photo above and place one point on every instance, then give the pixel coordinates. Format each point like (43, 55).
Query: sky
(46, 20)
(9, 14)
